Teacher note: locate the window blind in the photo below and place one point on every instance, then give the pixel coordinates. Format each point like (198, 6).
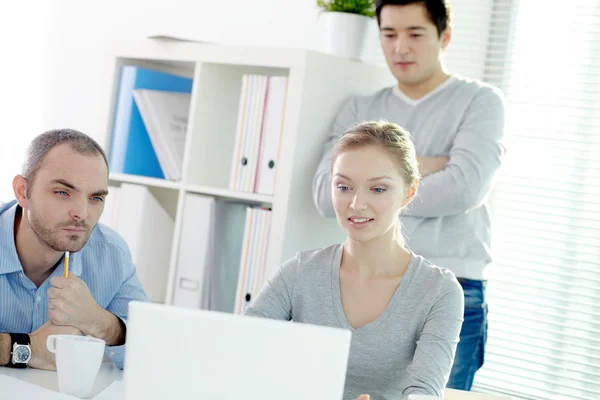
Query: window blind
(544, 287)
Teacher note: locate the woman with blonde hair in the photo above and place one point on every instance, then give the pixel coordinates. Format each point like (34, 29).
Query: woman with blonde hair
(404, 313)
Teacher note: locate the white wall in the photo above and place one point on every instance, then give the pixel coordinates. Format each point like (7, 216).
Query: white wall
(56, 52)
(81, 32)
(22, 81)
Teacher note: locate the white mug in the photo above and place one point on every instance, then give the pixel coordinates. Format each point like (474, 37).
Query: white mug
(78, 360)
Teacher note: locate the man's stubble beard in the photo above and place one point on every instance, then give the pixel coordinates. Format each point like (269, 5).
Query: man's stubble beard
(48, 237)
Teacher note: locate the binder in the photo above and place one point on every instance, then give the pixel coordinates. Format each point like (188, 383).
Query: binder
(131, 151)
(165, 115)
(224, 271)
(196, 250)
(248, 131)
(209, 253)
(271, 135)
(253, 259)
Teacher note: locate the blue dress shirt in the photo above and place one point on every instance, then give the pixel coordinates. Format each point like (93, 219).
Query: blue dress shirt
(104, 264)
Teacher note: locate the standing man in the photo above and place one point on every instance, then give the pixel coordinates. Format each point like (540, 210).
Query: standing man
(59, 198)
(458, 127)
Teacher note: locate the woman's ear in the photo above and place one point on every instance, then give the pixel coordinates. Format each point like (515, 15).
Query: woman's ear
(410, 194)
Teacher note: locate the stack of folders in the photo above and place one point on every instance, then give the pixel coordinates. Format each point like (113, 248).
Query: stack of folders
(150, 123)
(260, 122)
(221, 255)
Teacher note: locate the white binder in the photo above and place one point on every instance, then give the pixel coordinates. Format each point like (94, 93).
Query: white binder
(271, 135)
(249, 126)
(195, 252)
(209, 253)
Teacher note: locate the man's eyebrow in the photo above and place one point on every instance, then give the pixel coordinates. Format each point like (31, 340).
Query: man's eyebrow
(65, 183)
(101, 192)
(410, 28)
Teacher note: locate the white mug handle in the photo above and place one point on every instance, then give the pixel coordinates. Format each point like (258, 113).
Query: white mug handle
(51, 343)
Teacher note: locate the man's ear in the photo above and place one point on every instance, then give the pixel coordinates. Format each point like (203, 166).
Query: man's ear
(20, 188)
(445, 37)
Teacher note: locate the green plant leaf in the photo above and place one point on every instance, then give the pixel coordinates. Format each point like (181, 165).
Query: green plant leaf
(360, 7)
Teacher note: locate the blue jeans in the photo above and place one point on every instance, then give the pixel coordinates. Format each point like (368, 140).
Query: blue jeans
(473, 335)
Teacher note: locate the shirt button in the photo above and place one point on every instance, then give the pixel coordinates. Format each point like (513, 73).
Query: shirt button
(38, 299)
(22, 276)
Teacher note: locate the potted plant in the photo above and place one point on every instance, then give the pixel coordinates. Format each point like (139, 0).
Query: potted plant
(342, 26)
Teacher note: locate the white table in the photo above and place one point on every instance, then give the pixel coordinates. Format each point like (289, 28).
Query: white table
(49, 379)
(109, 373)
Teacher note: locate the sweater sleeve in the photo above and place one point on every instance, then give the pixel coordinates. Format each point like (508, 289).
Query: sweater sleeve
(430, 368)
(275, 298)
(475, 158)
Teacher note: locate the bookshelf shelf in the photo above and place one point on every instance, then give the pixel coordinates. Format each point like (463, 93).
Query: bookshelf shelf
(317, 86)
(250, 198)
(144, 180)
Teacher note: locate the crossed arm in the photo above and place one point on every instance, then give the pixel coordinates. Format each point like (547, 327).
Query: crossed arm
(450, 185)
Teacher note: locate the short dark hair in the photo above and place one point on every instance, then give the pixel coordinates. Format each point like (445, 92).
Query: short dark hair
(438, 11)
(43, 143)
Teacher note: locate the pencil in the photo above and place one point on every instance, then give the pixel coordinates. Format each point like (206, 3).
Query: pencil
(66, 268)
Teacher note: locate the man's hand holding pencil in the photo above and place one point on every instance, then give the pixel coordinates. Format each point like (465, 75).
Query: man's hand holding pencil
(71, 304)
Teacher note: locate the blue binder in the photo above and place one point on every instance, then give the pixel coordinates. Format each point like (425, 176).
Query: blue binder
(131, 149)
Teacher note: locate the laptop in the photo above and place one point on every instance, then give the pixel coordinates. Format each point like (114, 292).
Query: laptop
(183, 353)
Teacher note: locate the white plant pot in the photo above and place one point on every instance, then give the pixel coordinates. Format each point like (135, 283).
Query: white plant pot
(342, 34)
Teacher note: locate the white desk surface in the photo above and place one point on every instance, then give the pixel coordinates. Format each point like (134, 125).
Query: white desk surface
(49, 379)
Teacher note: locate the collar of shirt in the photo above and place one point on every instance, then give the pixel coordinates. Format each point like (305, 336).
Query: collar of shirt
(9, 260)
(399, 93)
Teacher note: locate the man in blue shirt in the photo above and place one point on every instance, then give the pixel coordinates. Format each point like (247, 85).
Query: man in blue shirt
(59, 199)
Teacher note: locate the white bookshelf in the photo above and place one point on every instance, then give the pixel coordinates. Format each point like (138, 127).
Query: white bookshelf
(144, 180)
(250, 198)
(318, 85)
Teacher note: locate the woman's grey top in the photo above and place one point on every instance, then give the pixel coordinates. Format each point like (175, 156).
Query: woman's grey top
(408, 349)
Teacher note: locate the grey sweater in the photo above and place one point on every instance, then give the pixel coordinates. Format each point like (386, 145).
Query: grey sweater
(448, 222)
(408, 349)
